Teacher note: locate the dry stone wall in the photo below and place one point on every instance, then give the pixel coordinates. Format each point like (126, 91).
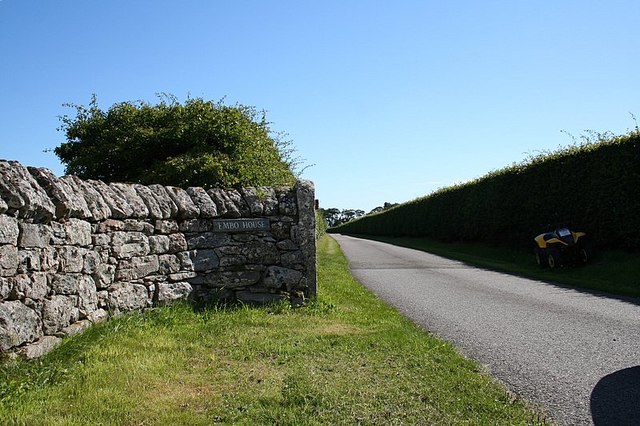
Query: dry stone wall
(73, 252)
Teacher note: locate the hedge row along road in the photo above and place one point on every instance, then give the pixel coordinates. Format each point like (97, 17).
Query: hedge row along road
(593, 188)
(573, 354)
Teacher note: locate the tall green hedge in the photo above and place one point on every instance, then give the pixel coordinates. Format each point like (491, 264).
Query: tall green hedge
(594, 187)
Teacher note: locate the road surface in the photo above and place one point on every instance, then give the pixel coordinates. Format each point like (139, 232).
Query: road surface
(574, 354)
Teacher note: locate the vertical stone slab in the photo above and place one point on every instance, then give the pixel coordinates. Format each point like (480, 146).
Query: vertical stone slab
(68, 202)
(22, 193)
(305, 198)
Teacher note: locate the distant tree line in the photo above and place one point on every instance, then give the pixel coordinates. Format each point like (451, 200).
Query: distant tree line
(335, 217)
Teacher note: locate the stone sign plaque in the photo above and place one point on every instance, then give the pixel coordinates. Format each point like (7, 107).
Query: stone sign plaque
(241, 225)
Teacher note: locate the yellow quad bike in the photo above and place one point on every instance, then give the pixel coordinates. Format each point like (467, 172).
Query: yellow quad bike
(561, 246)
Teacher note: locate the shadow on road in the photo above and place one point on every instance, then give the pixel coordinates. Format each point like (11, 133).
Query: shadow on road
(615, 399)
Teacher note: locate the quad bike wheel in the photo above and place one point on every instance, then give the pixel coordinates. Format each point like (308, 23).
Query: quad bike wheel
(585, 254)
(541, 258)
(553, 258)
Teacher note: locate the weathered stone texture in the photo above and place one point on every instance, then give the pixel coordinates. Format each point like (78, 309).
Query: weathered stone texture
(73, 252)
(8, 260)
(203, 202)
(95, 203)
(169, 292)
(66, 198)
(22, 194)
(125, 297)
(18, 325)
(129, 194)
(187, 209)
(9, 230)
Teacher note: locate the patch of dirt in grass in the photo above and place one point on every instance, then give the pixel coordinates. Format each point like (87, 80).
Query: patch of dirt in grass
(336, 329)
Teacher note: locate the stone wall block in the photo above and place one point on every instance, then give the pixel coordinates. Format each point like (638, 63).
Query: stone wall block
(9, 230)
(8, 260)
(6, 286)
(282, 231)
(40, 347)
(186, 262)
(204, 260)
(232, 260)
(118, 205)
(18, 324)
(159, 244)
(137, 268)
(29, 286)
(186, 207)
(207, 240)
(182, 276)
(166, 226)
(124, 297)
(226, 207)
(22, 194)
(136, 225)
(109, 225)
(239, 202)
(13, 199)
(197, 225)
(71, 259)
(58, 312)
(78, 232)
(29, 261)
(98, 207)
(3, 205)
(216, 196)
(203, 202)
(168, 264)
(34, 235)
(165, 202)
(286, 202)
(126, 245)
(65, 284)
(261, 252)
(49, 259)
(278, 277)
(92, 260)
(67, 200)
(253, 201)
(231, 279)
(177, 243)
(59, 234)
(130, 195)
(287, 245)
(100, 240)
(104, 275)
(87, 296)
(293, 259)
(269, 201)
(154, 209)
(170, 292)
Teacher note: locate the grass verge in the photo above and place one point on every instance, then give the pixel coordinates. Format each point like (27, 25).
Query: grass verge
(614, 272)
(346, 358)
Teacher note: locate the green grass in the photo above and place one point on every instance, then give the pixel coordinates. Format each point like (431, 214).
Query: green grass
(346, 358)
(614, 272)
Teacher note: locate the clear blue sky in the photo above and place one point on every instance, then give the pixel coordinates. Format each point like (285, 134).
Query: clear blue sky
(389, 99)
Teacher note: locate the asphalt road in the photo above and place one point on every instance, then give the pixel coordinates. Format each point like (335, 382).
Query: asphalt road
(575, 355)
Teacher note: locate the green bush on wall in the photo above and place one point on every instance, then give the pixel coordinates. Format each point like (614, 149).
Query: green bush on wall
(594, 187)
